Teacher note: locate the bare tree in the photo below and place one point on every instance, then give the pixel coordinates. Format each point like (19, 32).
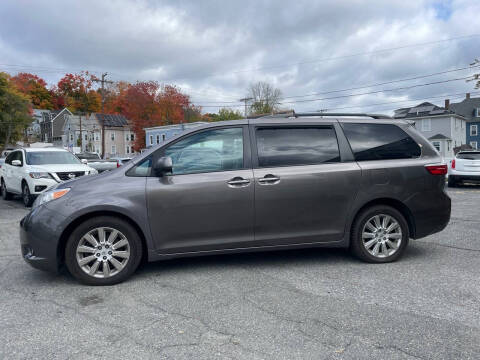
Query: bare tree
(265, 98)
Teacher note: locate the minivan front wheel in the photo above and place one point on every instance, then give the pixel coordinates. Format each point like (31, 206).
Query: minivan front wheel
(380, 234)
(103, 251)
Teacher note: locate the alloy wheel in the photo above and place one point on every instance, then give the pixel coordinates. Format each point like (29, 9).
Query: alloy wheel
(103, 252)
(382, 235)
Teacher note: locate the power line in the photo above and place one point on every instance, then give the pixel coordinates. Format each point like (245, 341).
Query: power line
(401, 101)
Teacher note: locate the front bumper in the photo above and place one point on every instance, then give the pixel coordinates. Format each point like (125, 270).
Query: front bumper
(37, 186)
(40, 233)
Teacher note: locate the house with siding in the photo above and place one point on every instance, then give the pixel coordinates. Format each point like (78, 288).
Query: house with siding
(119, 137)
(469, 108)
(52, 124)
(159, 134)
(445, 129)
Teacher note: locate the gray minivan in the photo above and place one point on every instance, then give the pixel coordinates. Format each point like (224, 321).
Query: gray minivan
(364, 182)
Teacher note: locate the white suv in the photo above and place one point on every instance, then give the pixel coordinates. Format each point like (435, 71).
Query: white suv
(31, 171)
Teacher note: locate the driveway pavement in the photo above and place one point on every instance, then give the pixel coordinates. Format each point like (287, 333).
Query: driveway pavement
(312, 304)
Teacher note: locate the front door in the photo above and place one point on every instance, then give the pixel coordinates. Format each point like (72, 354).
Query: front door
(208, 201)
(303, 190)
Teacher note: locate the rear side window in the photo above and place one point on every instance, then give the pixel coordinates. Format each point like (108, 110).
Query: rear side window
(380, 142)
(289, 146)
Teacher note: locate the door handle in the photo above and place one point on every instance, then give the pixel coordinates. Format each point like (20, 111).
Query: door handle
(238, 182)
(269, 179)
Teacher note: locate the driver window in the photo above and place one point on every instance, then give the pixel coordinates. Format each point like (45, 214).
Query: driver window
(208, 151)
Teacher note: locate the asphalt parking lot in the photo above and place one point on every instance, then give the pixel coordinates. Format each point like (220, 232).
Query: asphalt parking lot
(312, 304)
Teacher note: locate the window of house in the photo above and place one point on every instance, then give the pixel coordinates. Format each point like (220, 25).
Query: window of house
(449, 145)
(164, 137)
(380, 142)
(127, 149)
(86, 137)
(473, 144)
(436, 145)
(158, 139)
(114, 149)
(427, 125)
(208, 151)
(97, 136)
(132, 137)
(477, 112)
(112, 136)
(127, 136)
(473, 130)
(151, 139)
(290, 146)
(71, 137)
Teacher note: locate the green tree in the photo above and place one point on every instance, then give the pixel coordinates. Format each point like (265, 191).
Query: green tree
(15, 112)
(228, 114)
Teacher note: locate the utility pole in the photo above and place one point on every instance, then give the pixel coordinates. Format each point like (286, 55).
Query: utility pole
(245, 100)
(102, 93)
(81, 139)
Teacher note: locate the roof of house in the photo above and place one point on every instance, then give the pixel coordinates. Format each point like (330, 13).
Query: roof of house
(58, 121)
(112, 120)
(466, 108)
(420, 110)
(439, 137)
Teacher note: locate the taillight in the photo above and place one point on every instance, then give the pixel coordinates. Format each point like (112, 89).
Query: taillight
(118, 164)
(453, 164)
(439, 169)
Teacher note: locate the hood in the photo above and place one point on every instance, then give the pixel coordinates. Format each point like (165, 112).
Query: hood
(60, 168)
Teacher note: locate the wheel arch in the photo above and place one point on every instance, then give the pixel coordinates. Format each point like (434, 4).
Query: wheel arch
(394, 203)
(69, 229)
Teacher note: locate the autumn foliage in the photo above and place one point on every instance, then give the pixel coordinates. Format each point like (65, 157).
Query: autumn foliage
(145, 103)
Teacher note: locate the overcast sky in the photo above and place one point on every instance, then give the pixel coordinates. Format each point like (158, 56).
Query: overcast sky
(214, 49)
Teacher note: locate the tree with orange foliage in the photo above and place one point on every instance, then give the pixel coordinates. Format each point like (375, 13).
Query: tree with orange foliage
(35, 88)
(147, 104)
(75, 91)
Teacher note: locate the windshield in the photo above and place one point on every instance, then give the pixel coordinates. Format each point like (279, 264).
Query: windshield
(51, 157)
(469, 155)
(88, 156)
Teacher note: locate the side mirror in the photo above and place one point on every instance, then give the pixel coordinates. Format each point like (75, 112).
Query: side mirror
(16, 163)
(163, 165)
(84, 161)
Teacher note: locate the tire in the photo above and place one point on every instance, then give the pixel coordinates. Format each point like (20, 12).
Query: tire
(109, 224)
(5, 194)
(26, 196)
(362, 245)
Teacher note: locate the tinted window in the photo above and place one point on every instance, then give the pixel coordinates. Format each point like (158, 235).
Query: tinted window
(51, 157)
(380, 142)
(207, 151)
(286, 146)
(469, 155)
(10, 157)
(88, 156)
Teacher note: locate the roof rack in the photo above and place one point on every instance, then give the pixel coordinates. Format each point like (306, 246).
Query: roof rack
(325, 114)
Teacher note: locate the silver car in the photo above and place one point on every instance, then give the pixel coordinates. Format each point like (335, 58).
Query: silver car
(365, 183)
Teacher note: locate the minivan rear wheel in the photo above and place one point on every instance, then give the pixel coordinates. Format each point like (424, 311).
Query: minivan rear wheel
(380, 234)
(103, 251)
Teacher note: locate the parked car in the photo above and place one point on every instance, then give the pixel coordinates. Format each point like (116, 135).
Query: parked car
(464, 167)
(121, 160)
(31, 171)
(262, 184)
(93, 160)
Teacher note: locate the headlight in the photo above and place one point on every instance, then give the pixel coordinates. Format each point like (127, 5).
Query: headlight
(40, 175)
(49, 196)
